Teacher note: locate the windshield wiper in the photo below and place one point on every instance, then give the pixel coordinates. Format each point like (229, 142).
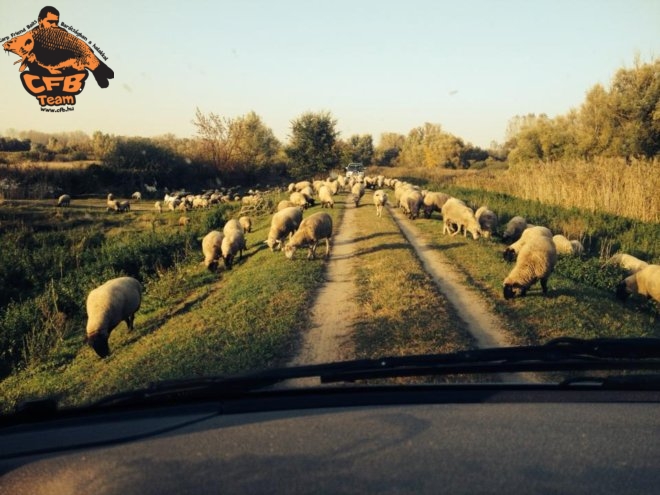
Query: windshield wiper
(563, 354)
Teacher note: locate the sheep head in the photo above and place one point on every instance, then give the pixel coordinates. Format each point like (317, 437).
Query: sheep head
(99, 342)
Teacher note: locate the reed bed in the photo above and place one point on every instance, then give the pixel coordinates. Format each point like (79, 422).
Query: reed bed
(605, 185)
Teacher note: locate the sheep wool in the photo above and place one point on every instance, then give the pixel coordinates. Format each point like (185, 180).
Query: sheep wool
(212, 249)
(380, 200)
(645, 282)
(536, 261)
(108, 305)
(312, 230)
(283, 223)
(232, 244)
(64, 200)
(514, 229)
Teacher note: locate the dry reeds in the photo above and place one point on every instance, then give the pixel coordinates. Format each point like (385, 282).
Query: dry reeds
(605, 185)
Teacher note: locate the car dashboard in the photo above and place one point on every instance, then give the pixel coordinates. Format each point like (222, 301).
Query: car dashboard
(347, 439)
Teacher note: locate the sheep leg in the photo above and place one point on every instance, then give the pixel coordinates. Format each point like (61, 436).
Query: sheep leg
(544, 285)
(327, 247)
(129, 321)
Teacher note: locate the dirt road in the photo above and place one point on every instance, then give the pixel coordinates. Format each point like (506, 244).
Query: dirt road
(334, 309)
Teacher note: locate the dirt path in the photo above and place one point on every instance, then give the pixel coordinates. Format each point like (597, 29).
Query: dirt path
(334, 309)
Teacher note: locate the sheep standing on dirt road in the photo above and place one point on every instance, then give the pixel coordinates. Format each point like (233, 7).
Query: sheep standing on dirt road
(312, 230)
(108, 305)
(357, 190)
(536, 261)
(325, 197)
(380, 200)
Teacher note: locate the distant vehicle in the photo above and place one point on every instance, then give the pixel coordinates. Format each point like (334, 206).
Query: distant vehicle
(355, 169)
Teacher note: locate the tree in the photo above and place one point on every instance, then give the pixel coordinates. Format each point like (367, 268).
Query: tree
(358, 149)
(388, 149)
(312, 148)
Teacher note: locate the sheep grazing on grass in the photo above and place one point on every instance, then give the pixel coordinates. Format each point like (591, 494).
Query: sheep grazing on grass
(578, 248)
(233, 243)
(536, 261)
(230, 225)
(380, 200)
(282, 224)
(455, 212)
(627, 262)
(562, 244)
(108, 305)
(645, 282)
(212, 249)
(514, 229)
(325, 197)
(137, 196)
(285, 203)
(487, 221)
(511, 252)
(64, 200)
(411, 201)
(312, 230)
(246, 223)
(434, 201)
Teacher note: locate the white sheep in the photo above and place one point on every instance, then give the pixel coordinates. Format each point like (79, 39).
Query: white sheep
(536, 261)
(137, 195)
(230, 225)
(285, 203)
(299, 199)
(487, 221)
(233, 243)
(411, 201)
(645, 282)
(511, 252)
(455, 212)
(325, 197)
(380, 200)
(108, 305)
(158, 207)
(64, 200)
(357, 190)
(562, 244)
(212, 249)
(312, 230)
(514, 229)
(246, 223)
(282, 224)
(433, 201)
(627, 262)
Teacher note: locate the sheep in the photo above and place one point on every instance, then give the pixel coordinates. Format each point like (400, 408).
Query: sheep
(511, 252)
(299, 199)
(64, 200)
(137, 196)
(184, 221)
(514, 229)
(627, 262)
(232, 243)
(645, 282)
(536, 261)
(108, 305)
(246, 223)
(455, 212)
(487, 221)
(562, 244)
(118, 206)
(312, 229)
(283, 223)
(357, 190)
(285, 203)
(158, 207)
(212, 249)
(325, 197)
(231, 224)
(380, 200)
(411, 201)
(433, 201)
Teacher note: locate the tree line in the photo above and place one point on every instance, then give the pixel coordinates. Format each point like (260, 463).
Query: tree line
(620, 121)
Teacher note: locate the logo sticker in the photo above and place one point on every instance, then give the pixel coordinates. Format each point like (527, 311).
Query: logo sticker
(55, 62)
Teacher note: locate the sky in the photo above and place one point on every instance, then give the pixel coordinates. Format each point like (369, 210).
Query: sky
(376, 66)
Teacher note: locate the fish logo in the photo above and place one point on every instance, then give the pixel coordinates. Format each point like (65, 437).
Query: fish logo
(54, 62)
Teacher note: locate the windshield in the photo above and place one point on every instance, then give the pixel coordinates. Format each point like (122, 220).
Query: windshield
(164, 216)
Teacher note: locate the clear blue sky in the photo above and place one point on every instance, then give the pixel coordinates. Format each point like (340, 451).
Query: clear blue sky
(376, 66)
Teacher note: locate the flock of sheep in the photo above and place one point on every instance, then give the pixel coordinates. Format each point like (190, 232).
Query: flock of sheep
(534, 249)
